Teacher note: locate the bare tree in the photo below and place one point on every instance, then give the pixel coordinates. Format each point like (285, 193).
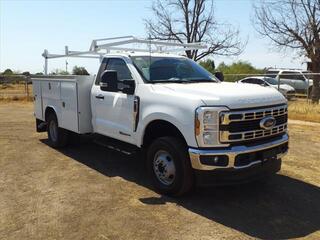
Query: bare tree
(293, 24)
(189, 21)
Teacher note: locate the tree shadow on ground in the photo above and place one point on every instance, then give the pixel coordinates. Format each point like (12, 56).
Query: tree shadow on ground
(281, 208)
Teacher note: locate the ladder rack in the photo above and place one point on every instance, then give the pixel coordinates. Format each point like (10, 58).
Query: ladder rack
(102, 46)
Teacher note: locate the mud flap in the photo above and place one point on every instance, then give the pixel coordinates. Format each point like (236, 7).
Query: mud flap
(41, 126)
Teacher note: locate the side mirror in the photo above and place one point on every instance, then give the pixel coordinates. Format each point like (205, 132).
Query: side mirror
(109, 81)
(128, 86)
(219, 75)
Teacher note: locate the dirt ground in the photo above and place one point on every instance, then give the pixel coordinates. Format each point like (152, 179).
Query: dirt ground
(88, 192)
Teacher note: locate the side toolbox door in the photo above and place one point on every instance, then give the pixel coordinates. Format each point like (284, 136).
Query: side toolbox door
(36, 86)
(69, 108)
(50, 90)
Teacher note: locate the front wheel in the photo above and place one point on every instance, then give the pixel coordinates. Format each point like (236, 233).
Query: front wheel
(58, 137)
(169, 166)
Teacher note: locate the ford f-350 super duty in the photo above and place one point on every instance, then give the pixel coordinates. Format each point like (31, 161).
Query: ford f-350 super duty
(193, 128)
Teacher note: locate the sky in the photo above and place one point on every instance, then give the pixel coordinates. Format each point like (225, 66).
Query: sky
(29, 27)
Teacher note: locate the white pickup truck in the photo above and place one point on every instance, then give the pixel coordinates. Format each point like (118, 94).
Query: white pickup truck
(193, 128)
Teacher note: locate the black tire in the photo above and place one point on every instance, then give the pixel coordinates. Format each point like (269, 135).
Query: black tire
(58, 139)
(310, 93)
(183, 180)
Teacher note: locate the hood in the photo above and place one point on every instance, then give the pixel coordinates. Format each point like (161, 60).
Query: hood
(232, 95)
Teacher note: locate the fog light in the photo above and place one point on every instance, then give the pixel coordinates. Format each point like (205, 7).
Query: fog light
(218, 160)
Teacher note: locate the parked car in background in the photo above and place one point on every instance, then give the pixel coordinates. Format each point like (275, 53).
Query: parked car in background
(300, 80)
(285, 89)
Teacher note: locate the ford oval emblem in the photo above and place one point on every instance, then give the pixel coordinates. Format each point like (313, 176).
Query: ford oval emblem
(267, 122)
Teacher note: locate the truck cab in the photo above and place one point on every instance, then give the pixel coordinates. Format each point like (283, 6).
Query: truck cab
(191, 127)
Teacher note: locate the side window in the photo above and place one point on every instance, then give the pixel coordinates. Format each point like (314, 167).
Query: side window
(253, 81)
(114, 64)
(249, 80)
(291, 75)
(286, 75)
(259, 81)
(121, 67)
(101, 69)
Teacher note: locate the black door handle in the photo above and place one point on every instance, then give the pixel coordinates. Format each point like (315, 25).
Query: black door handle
(100, 96)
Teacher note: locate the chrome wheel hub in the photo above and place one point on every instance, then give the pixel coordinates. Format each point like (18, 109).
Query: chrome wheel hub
(164, 168)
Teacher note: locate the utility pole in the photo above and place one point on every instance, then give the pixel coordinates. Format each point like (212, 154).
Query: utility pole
(66, 66)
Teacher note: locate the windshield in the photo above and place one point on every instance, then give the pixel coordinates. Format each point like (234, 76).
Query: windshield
(170, 69)
(271, 81)
(272, 73)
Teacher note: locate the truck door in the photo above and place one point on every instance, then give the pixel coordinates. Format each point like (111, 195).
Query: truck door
(285, 78)
(113, 111)
(301, 84)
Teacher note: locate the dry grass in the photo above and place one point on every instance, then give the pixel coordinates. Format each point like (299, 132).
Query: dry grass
(10, 98)
(302, 110)
(19, 88)
(15, 92)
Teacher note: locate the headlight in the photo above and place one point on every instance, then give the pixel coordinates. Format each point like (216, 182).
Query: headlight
(207, 126)
(209, 138)
(210, 117)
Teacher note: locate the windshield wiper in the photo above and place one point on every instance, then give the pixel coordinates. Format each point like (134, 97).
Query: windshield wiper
(168, 81)
(201, 80)
(179, 80)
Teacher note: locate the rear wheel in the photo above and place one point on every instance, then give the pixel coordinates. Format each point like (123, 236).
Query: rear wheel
(58, 137)
(169, 166)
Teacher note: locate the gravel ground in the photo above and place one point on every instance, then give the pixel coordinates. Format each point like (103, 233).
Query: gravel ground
(88, 192)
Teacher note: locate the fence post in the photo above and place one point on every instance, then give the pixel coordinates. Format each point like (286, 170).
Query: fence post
(27, 80)
(25, 86)
(278, 79)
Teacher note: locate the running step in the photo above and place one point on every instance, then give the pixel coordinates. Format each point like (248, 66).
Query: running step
(116, 145)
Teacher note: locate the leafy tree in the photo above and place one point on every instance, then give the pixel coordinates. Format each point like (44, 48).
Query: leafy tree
(79, 71)
(59, 72)
(295, 25)
(208, 64)
(7, 72)
(26, 73)
(191, 21)
(239, 67)
(237, 70)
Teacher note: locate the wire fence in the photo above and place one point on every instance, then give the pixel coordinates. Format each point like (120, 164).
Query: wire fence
(293, 85)
(15, 87)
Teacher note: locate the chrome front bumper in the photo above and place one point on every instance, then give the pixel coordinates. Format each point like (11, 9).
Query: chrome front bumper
(232, 152)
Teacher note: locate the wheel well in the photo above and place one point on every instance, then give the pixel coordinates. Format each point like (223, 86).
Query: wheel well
(48, 111)
(160, 128)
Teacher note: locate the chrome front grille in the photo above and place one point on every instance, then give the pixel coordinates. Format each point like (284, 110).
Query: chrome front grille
(245, 125)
